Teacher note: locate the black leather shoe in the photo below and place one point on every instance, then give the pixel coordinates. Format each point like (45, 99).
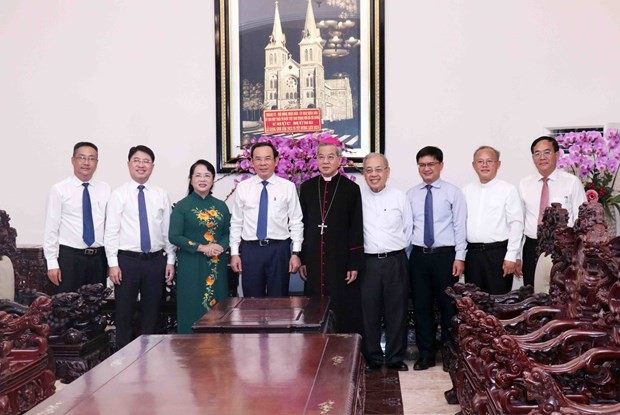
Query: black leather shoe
(424, 363)
(370, 366)
(400, 366)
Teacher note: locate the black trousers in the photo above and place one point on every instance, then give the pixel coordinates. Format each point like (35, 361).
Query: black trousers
(145, 276)
(265, 268)
(529, 260)
(78, 268)
(483, 267)
(384, 285)
(430, 275)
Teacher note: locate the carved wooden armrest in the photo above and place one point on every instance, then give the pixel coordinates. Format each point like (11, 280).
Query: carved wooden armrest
(27, 333)
(595, 337)
(589, 360)
(530, 316)
(550, 329)
(502, 305)
(505, 311)
(542, 388)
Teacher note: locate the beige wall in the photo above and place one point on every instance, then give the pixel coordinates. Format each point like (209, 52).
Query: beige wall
(118, 73)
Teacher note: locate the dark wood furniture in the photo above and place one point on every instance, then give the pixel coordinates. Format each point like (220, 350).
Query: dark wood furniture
(31, 270)
(292, 373)
(78, 339)
(266, 315)
(563, 358)
(25, 378)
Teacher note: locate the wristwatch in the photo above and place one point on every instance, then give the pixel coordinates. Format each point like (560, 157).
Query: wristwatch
(298, 253)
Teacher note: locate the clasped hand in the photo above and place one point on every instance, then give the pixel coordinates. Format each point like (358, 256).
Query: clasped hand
(210, 249)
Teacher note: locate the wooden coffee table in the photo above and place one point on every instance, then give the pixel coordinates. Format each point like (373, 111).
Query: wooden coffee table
(293, 373)
(266, 315)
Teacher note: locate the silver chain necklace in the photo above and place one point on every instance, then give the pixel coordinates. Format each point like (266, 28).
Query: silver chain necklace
(324, 214)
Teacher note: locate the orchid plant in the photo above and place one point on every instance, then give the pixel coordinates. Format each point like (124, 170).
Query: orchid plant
(595, 159)
(297, 161)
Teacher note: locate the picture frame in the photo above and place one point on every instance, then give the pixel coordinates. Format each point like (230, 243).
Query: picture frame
(268, 62)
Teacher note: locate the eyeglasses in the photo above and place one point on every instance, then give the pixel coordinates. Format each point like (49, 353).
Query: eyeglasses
(260, 159)
(378, 170)
(205, 175)
(83, 159)
(329, 158)
(539, 154)
(432, 164)
(141, 161)
(483, 162)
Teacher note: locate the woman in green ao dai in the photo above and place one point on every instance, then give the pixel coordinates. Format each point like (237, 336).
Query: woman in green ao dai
(199, 226)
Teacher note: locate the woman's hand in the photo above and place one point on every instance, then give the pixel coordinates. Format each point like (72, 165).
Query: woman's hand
(210, 249)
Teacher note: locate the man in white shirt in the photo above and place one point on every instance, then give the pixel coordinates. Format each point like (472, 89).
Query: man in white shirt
(538, 191)
(384, 281)
(74, 222)
(494, 226)
(140, 256)
(266, 216)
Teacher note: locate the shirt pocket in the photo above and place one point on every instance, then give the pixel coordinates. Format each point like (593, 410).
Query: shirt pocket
(390, 219)
(99, 208)
(280, 207)
(158, 214)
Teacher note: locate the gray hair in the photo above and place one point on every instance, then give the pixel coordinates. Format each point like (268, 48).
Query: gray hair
(487, 148)
(371, 155)
(338, 149)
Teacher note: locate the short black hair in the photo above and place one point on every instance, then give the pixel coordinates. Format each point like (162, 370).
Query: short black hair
(84, 144)
(210, 168)
(556, 146)
(264, 144)
(430, 151)
(142, 148)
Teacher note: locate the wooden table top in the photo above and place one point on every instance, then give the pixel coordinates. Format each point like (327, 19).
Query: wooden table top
(273, 315)
(296, 373)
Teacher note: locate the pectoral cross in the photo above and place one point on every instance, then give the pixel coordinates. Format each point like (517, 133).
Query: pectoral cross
(322, 226)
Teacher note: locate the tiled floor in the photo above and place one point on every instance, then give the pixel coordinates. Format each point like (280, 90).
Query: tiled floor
(410, 393)
(383, 393)
(422, 391)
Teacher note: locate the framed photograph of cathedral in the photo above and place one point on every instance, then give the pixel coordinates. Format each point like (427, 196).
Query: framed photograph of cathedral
(294, 67)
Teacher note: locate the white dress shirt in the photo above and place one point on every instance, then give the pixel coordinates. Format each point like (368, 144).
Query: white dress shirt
(494, 214)
(122, 230)
(284, 217)
(564, 188)
(63, 216)
(388, 221)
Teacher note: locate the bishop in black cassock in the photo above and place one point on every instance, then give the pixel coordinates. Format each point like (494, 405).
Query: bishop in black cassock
(329, 251)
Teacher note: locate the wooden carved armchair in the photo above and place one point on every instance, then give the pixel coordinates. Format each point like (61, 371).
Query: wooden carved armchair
(25, 378)
(78, 336)
(492, 377)
(583, 305)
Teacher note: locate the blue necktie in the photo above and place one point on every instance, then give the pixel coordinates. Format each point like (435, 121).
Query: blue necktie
(145, 236)
(88, 229)
(263, 207)
(429, 233)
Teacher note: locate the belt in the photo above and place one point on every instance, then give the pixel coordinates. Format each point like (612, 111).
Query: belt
(83, 251)
(383, 255)
(265, 242)
(438, 250)
(141, 255)
(475, 246)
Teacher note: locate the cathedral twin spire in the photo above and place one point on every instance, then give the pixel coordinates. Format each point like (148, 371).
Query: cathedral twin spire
(277, 35)
(310, 30)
